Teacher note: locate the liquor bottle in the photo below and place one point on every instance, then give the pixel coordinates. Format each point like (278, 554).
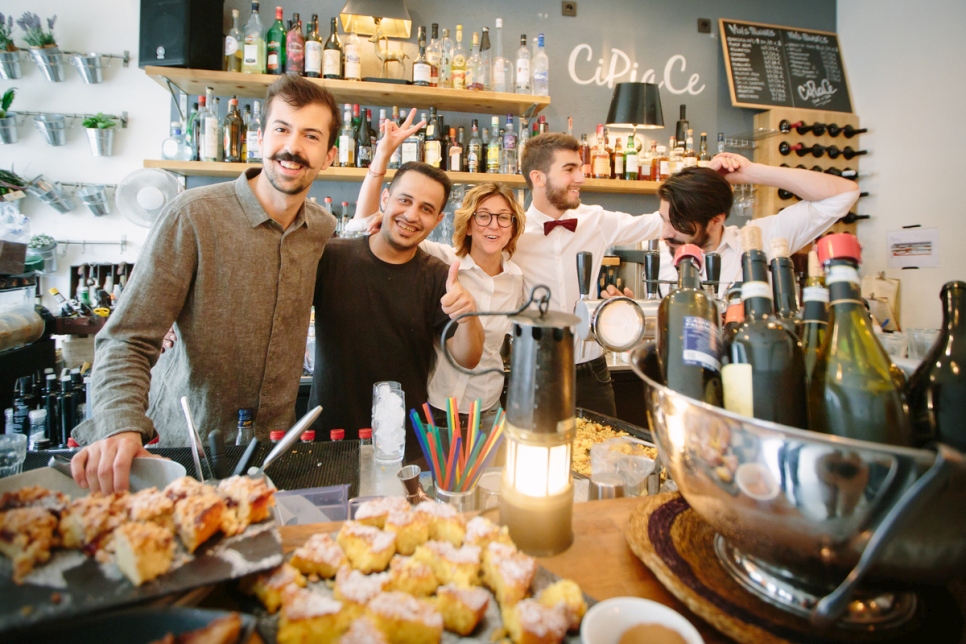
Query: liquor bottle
(246, 427)
(422, 72)
(474, 65)
(433, 54)
(599, 159)
(523, 85)
(455, 153)
(433, 149)
(854, 391)
(332, 53)
(721, 142)
(508, 164)
(233, 132)
(458, 71)
(246, 121)
(542, 126)
(313, 49)
(208, 145)
(690, 156)
(675, 157)
(364, 146)
(784, 286)
(631, 166)
(681, 128)
(475, 149)
(704, 159)
(645, 160)
(523, 139)
(688, 322)
(253, 152)
(445, 60)
(353, 58)
(191, 130)
(502, 72)
(937, 389)
(585, 156)
(295, 47)
(216, 109)
(815, 313)
(347, 142)
(764, 374)
(541, 69)
(21, 410)
(175, 147)
(275, 45)
(618, 157)
(411, 149)
(493, 148)
(253, 61)
(234, 45)
(486, 66)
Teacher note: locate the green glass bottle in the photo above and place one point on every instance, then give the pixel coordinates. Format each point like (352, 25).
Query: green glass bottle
(815, 312)
(783, 283)
(689, 344)
(854, 392)
(937, 389)
(275, 45)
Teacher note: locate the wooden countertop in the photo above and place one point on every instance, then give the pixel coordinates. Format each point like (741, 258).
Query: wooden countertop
(599, 560)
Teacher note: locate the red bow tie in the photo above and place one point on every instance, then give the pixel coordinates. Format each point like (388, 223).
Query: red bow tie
(569, 224)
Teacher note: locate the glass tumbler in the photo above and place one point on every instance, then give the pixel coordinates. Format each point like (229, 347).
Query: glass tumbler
(388, 421)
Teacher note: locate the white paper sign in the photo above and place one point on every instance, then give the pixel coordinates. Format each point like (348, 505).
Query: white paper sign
(915, 247)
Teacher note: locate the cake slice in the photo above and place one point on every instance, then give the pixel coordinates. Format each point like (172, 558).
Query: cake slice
(480, 531)
(460, 566)
(151, 505)
(270, 586)
(445, 523)
(248, 501)
(320, 555)
(355, 590)
(89, 522)
(184, 487)
(26, 538)
(34, 496)
(403, 619)
(368, 549)
(143, 551)
(363, 631)
(411, 530)
(198, 518)
(530, 622)
(409, 575)
(507, 572)
(566, 597)
(309, 618)
(375, 511)
(461, 608)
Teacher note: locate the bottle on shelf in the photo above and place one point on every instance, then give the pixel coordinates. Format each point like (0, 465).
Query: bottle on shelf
(502, 72)
(234, 45)
(688, 321)
(585, 156)
(474, 65)
(216, 108)
(433, 147)
(856, 391)
(233, 129)
(352, 68)
(411, 148)
(523, 85)
(246, 121)
(815, 313)
(704, 159)
(253, 61)
(474, 149)
(332, 53)
(458, 70)
(523, 139)
(853, 217)
(631, 165)
(486, 63)
(681, 128)
(599, 158)
(848, 152)
(493, 147)
(245, 431)
(210, 129)
(191, 129)
(690, 156)
(347, 141)
(253, 152)
(295, 47)
(364, 143)
(422, 71)
(937, 389)
(849, 131)
(784, 286)
(433, 54)
(454, 153)
(675, 156)
(764, 374)
(816, 150)
(175, 148)
(618, 161)
(313, 48)
(541, 69)
(446, 60)
(275, 45)
(662, 164)
(785, 126)
(508, 162)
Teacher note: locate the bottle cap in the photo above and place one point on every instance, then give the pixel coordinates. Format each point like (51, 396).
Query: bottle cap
(499, 22)
(735, 313)
(336, 434)
(814, 266)
(689, 250)
(838, 246)
(751, 238)
(365, 433)
(308, 436)
(276, 435)
(37, 416)
(72, 443)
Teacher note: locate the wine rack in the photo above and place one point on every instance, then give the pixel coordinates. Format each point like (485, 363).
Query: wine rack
(769, 200)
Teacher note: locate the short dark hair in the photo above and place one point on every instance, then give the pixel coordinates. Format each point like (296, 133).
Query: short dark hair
(430, 171)
(695, 196)
(539, 151)
(299, 92)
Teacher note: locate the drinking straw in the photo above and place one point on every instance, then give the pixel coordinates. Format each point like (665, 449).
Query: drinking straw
(421, 437)
(451, 467)
(478, 472)
(488, 448)
(434, 461)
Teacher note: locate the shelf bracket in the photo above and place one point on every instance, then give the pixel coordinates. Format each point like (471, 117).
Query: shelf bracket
(175, 96)
(530, 112)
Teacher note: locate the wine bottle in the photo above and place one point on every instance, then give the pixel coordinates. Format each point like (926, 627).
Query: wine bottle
(422, 70)
(786, 126)
(849, 131)
(815, 312)
(253, 60)
(275, 45)
(681, 127)
(734, 314)
(783, 283)
(688, 319)
(854, 391)
(364, 142)
(853, 217)
(234, 45)
(764, 374)
(295, 47)
(937, 389)
(313, 48)
(332, 54)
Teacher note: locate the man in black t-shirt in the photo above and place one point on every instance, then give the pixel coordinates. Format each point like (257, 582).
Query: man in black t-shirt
(381, 304)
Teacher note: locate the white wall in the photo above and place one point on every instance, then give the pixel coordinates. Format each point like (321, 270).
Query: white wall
(111, 28)
(905, 65)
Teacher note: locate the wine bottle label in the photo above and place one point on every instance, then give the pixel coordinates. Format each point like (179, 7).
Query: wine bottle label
(455, 159)
(273, 61)
(815, 294)
(347, 149)
(842, 274)
(704, 164)
(631, 163)
(700, 343)
(619, 165)
(253, 154)
(251, 54)
(410, 151)
(602, 165)
(755, 289)
(432, 153)
(210, 141)
(736, 380)
(421, 73)
(331, 58)
(231, 45)
(313, 57)
(665, 167)
(523, 73)
(353, 62)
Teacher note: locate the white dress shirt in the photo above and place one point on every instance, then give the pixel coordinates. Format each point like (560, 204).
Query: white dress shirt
(503, 292)
(551, 259)
(800, 224)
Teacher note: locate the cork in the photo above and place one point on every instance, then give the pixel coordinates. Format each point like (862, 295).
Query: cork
(814, 266)
(751, 238)
(778, 247)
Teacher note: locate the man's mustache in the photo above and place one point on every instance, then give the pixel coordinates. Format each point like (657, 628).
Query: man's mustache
(291, 158)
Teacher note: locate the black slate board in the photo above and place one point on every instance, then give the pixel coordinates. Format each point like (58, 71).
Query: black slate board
(773, 66)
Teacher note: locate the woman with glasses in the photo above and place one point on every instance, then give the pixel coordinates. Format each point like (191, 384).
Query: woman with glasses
(485, 232)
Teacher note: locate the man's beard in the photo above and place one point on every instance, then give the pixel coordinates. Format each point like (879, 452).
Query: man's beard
(560, 198)
(274, 180)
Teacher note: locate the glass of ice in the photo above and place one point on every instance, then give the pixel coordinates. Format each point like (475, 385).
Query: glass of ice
(13, 452)
(388, 421)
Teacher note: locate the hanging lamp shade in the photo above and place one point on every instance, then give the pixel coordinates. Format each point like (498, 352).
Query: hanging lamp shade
(636, 105)
(365, 17)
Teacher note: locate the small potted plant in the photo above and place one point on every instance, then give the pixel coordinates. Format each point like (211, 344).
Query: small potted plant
(45, 247)
(43, 47)
(9, 54)
(100, 132)
(8, 121)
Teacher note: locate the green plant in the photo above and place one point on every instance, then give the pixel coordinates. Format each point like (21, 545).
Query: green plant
(6, 101)
(33, 31)
(100, 121)
(6, 33)
(10, 182)
(41, 241)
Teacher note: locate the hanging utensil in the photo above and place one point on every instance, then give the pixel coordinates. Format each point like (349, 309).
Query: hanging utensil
(286, 442)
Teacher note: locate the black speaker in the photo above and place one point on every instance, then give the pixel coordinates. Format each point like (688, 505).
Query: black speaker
(182, 33)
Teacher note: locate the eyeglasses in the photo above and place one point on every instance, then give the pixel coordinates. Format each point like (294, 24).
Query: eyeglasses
(503, 219)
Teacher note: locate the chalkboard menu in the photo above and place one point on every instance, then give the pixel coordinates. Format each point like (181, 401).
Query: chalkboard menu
(772, 66)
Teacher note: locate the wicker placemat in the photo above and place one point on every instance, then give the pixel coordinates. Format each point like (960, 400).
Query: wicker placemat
(678, 547)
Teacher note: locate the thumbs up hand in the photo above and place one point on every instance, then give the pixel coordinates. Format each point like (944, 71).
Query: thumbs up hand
(457, 299)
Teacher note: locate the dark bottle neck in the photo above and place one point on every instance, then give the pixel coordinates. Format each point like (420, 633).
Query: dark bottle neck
(954, 310)
(783, 282)
(815, 304)
(843, 283)
(755, 290)
(688, 274)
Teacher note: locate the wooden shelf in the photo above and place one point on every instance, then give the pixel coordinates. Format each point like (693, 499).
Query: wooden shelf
(356, 175)
(194, 81)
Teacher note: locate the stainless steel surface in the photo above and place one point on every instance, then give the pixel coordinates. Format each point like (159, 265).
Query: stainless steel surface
(197, 448)
(605, 486)
(287, 441)
(807, 503)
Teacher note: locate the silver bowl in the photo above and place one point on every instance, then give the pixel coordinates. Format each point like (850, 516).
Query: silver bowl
(797, 511)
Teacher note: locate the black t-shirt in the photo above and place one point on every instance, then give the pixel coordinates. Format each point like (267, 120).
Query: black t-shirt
(373, 322)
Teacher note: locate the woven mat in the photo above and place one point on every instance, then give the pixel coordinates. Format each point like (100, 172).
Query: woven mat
(678, 547)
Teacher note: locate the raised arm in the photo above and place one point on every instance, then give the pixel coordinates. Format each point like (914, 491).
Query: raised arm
(466, 345)
(369, 193)
(808, 185)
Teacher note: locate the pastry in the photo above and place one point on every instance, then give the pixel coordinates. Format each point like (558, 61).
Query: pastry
(309, 618)
(26, 537)
(151, 505)
(247, 501)
(369, 549)
(507, 572)
(411, 530)
(143, 551)
(461, 608)
(363, 631)
(480, 531)
(403, 619)
(375, 511)
(445, 523)
(88, 523)
(409, 575)
(198, 518)
(320, 555)
(530, 622)
(565, 596)
(356, 590)
(270, 586)
(460, 566)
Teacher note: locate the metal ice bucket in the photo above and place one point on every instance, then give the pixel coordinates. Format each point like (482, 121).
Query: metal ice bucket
(797, 509)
